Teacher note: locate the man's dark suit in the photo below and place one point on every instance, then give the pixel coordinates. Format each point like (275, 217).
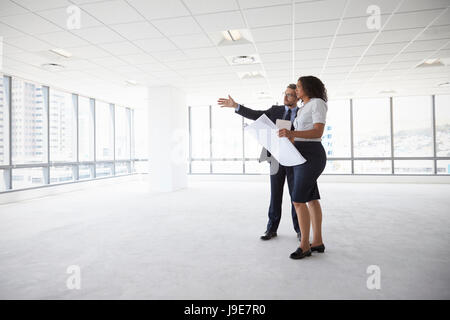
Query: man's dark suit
(277, 177)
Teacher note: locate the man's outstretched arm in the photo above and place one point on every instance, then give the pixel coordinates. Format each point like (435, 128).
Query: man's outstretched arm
(241, 110)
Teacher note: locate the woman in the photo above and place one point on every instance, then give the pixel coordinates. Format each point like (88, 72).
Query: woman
(309, 125)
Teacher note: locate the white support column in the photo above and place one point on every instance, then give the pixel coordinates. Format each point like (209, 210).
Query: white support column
(168, 136)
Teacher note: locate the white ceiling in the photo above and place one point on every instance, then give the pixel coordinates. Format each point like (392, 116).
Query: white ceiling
(158, 42)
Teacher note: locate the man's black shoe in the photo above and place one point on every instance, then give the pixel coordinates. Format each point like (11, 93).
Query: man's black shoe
(268, 235)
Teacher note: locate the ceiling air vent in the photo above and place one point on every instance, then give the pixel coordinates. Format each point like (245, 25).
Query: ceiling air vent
(52, 67)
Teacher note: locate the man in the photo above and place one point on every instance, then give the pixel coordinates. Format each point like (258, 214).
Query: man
(278, 173)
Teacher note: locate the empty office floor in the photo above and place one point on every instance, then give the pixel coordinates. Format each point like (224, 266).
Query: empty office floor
(203, 243)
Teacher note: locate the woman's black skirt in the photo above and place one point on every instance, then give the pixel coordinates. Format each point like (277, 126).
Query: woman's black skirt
(306, 174)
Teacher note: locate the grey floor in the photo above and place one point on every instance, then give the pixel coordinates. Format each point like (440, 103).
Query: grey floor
(203, 243)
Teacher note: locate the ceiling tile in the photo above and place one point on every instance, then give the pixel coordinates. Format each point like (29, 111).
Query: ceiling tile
(88, 52)
(139, 58)
(360, 39)
(272, 33)
(113, 12)
(153, 67)
(386, 48)
(198, 53)
(98, 35)
(315, 29)
(426, 45)
(313, 43)
(436, 32)
(157, 9)
(221, 21)
(318, 10)
(192, 41)
(208, 6)
(60, 17)
(358, 8)
(63, 39)
(120, 48)
(419, 5)
(7, 31)
(177, 26)
(245, 4)
(154, 45)
(28, 43)
(30, 23)
(412, 19)
(34, 5)
(10, 8)
(274, 46)
(397, 35)
(171, 55)
(109, 62)
(138, 30)
(263, 17)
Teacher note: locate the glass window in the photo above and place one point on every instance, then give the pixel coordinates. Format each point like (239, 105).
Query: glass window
(86, 129)
(251, 146)
(140, 166)
(122, 118)
(442, 108)
(200, 146)
(104, 131)
(338, 167)
(140, 126)
(61, 174)
(4, 120)
(103, 170)
(256, 167)
(443, 166)
(63, 126)
(226, 133)
(413, 166)
(413, 131)
(371, 128)
(3, 180)
(85, 172)
(200, 166)
(336, 136)
(227, 167)
(29, 122)
(27, 178)
(121, 168)
(373, 166)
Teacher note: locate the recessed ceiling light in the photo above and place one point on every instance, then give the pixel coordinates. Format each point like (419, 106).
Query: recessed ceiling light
(430, 63)
(232, 35)
(61, 52)
(131, 82)
(52, 66)
(243, 60)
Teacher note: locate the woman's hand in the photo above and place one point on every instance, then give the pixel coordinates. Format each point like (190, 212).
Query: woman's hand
(229, 103)
(286, 133)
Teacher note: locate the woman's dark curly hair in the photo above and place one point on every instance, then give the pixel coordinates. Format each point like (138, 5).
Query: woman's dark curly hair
(313, 87)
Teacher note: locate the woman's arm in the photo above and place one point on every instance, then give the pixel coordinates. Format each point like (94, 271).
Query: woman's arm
(314, 133)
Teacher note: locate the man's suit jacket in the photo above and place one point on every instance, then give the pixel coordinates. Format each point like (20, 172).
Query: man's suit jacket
(274, 113)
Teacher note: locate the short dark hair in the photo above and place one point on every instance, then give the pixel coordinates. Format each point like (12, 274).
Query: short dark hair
(314, 87)
(292, 86)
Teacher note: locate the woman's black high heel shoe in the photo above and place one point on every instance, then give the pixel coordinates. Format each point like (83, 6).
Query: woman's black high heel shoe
(299, 254)
(320, 248)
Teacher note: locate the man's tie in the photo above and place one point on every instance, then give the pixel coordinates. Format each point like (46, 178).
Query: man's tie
(288, 117)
